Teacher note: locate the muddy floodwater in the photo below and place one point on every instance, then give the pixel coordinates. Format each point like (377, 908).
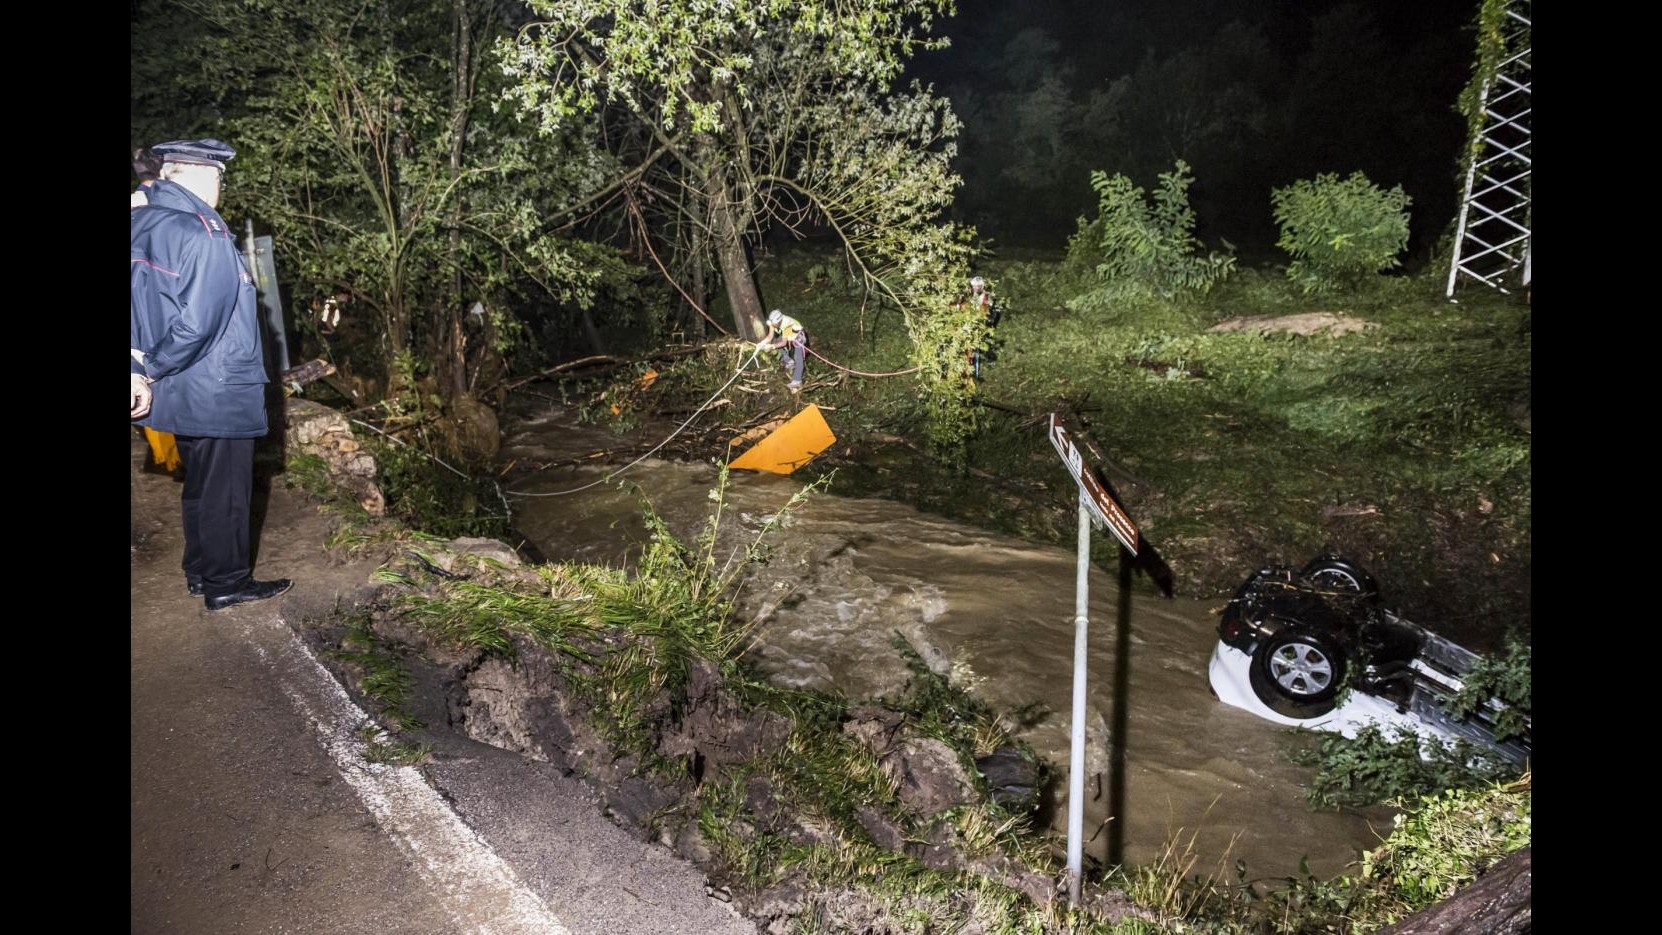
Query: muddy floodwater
(845, 574)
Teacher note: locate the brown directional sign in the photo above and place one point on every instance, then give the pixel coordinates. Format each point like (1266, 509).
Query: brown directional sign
(1107, 513)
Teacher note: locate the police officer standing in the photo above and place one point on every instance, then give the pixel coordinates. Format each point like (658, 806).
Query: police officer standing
(198, 365)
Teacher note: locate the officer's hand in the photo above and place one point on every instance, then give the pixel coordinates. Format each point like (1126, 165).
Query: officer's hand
(141, 397)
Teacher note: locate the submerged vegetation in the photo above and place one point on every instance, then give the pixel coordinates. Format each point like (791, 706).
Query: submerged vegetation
(1373, 768)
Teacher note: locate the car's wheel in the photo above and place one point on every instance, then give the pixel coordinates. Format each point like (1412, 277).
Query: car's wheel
(1336, 574)
(1297, 673)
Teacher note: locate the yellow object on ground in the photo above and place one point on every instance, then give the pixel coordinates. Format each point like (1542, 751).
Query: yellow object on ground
(628, 397)
(790, 446)
(163, 449)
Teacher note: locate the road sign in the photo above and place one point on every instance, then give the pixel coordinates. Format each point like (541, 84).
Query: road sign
(1105, 511)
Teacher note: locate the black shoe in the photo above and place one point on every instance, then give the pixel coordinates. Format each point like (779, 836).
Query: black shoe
(251, 591)
(194, 587)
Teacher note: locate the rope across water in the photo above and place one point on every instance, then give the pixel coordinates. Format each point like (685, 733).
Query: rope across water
(860, 373)
(743, 365)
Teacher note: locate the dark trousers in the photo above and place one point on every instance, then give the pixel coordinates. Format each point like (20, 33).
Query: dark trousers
(794, 354)
(219, 481)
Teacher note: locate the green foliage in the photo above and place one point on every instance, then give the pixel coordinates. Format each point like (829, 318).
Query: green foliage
(625, 641)
(1494, 42)
(1373, 768)
(762, 113)
(662, 60)
(1139, 250)
(1444, 841)
(381, 747)
(1505, 677)
(948, 712)
(365, 149)
(426, 492)
(1339, 232)
(309, 472)
(1440, 842)
(1344, 420)
(433, 498)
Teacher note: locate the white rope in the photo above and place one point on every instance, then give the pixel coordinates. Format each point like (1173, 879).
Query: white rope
(507, 511)
(560, 493)
(402, 443)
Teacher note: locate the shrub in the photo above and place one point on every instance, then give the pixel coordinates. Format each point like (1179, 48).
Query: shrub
(1375, 767)
(1506, 676)
(1140, 250)
(1339, 233)
(1441, 843)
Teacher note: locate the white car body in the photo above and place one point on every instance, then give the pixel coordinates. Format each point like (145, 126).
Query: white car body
(1228, 672)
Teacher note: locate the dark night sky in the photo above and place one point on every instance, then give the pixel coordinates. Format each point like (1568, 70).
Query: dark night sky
(1384, 107)
(1108, 36)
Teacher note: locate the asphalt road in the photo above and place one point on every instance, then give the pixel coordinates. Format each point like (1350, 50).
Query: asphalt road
(253, 809)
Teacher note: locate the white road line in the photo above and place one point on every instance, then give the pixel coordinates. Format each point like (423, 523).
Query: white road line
(486, 895)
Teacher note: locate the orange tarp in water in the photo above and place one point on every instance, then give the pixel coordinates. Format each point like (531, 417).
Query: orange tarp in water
(163, 449)
(790, 446)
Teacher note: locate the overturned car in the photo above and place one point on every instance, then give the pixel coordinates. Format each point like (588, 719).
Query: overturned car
(1313, 647)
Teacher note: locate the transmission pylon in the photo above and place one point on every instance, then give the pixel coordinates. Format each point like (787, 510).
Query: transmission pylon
(1492, 238)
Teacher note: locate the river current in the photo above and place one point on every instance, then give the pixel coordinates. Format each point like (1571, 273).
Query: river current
(845, 574)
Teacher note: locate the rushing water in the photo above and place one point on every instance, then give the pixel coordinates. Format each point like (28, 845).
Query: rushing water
(845, 574)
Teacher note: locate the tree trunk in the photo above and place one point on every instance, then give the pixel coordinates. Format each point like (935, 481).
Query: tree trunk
(398, 329)
(461, 102)
(742, 296)
(699, 296)
(456, 352)
(1496, 903)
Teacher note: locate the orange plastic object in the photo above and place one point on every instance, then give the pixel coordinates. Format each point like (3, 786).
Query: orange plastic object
(790, 446)
(163, 449)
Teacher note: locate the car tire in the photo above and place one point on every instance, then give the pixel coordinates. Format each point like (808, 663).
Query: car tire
(1336, 574)
(1297, 673)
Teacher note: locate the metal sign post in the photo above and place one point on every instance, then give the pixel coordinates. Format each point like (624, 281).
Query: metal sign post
(1076, 755)
(1095, 506)
(262, 265)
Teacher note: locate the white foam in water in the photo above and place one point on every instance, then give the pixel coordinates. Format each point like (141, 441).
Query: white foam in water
(929, 602)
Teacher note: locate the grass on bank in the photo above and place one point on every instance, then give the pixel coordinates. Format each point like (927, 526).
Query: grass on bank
(1441, 841)
(626, 642)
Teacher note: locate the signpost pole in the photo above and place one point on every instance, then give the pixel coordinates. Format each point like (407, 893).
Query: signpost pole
(1095, 506)
(1076, 758)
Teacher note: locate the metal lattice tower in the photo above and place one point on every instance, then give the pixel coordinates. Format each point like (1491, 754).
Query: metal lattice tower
(1492, 239)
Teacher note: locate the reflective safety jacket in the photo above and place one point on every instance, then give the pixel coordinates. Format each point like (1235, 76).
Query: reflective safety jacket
(195, 326)
(788, 328)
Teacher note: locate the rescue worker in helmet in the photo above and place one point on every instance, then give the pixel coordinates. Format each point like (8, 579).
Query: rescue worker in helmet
(982, 298)
(787, 336)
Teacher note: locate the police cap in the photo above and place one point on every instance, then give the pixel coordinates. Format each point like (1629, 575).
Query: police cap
(199, 152)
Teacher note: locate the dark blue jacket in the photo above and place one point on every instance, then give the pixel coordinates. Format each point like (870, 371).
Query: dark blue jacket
(195, 318)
